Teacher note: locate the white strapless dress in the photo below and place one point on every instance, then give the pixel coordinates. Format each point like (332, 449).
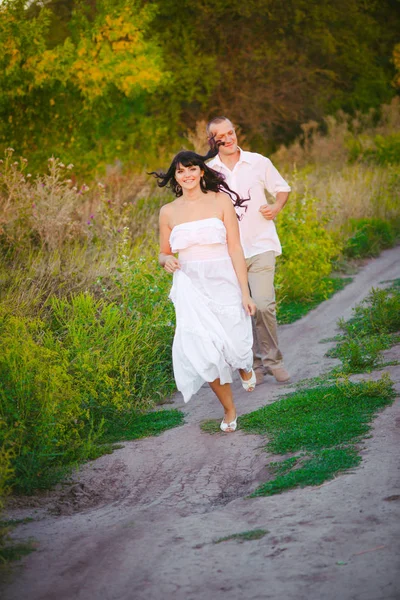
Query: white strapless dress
(213, 332)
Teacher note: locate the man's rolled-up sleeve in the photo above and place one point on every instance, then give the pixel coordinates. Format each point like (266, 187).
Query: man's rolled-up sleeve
(273, 180)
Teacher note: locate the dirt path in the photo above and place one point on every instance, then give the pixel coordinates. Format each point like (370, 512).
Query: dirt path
(139, 524)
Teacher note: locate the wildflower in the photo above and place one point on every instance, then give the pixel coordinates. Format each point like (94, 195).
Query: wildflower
(75, 188)
(92, 216)
(51, 159)
(29, 175)
(10, 150)
(84, 188)
(25, 160)
(101, 185)
(89, 222)
(70, 166)
(68, 181)
(15, 163)
(61, 165)
(33, 205)
(1, 162)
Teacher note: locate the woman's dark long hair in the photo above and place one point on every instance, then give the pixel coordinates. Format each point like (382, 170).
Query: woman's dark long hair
(212, 181)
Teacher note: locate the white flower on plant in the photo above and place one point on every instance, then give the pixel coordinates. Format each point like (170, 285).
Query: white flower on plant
(15, 163)
(75, 188)
(101, 185)
(61, 165)
(29, 175)
(70, 166)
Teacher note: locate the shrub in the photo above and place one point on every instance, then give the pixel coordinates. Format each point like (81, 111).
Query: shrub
(369, 237)
(309, 248)
(39, 402)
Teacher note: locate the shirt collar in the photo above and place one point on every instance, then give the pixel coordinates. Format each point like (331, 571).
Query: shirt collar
(243, 157)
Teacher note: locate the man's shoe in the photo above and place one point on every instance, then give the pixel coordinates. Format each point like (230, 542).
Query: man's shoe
(259, 377)
(280, 374)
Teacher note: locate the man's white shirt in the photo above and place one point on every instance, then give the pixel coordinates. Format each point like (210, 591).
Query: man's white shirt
(250, 177)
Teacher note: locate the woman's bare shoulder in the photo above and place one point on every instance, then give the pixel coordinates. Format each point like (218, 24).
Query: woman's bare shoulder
(222, 199)
(167, 210)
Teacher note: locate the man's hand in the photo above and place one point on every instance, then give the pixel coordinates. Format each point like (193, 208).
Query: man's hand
(269, 211)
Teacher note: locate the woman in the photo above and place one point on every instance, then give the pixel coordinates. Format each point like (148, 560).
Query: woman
(210, 289)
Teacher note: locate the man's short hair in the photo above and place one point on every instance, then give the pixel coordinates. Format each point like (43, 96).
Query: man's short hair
(216, 121)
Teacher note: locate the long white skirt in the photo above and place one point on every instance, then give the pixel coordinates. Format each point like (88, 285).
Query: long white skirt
(213, 332)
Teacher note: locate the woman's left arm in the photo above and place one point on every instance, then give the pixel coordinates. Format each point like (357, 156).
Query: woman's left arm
(236, 251)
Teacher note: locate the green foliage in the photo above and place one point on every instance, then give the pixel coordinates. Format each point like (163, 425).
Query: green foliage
(124, 80)
(380, 150)
(309, 248)
(369, 237)
(85, 96)
(290, 311)
(361, 354)
(80, 376)
(370, 330)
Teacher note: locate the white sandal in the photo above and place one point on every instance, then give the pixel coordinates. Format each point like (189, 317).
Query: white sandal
(249, 384)
(231, 426)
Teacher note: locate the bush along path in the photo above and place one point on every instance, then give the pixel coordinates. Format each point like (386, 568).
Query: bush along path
(146, 520)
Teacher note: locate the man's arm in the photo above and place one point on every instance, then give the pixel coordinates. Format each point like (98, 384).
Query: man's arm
(277, 187)
(270, 211)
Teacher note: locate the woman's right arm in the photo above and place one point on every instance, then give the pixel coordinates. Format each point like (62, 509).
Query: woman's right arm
(166, 258)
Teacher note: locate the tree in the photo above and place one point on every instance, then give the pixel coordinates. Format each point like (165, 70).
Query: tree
(69, 99)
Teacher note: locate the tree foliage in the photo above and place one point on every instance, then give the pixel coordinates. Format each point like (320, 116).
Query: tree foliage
(125, 79)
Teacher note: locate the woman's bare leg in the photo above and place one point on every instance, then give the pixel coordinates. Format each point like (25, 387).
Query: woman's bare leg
(225, 396)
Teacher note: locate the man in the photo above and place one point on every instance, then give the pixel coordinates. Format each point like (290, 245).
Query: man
(250, 174)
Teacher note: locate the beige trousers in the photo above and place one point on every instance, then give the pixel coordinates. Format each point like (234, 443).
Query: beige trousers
(261, 270)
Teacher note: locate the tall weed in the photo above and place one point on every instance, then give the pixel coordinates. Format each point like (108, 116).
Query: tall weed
(309, 248)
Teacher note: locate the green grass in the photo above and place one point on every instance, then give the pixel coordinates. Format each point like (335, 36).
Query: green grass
(288, 312)
(210, 426)
(322, 422)
(372, 329)
(314, 470)
(136, 426)
(245, 536)
(12, 551)
(322, 426)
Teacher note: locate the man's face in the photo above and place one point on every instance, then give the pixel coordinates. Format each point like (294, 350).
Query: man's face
(225, 132)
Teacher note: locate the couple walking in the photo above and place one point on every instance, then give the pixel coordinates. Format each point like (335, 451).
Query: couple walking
(223, 232)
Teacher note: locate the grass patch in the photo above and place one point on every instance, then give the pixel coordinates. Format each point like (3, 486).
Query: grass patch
(210, 426)
(313, 470)
(371, 330)
(11, 551)
(134, 426)
(15, 522)
(322, 425)
(288, 312)
(245, 536)
(322, 422)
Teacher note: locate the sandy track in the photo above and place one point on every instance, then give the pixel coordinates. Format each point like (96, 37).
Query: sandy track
(139, 524)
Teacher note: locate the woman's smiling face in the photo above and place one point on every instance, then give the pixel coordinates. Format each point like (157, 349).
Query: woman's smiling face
(188, 177)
